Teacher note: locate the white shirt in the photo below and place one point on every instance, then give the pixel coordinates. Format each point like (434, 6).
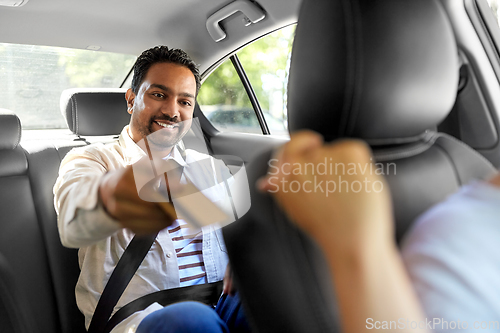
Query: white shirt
(453, 258)
(83, 224)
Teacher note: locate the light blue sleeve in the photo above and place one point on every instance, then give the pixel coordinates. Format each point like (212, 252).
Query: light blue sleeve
(452, 255)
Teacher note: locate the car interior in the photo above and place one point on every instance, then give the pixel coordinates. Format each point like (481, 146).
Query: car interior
(417, 80)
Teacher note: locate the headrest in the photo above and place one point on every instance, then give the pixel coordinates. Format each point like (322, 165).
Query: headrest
(10, 130)
(383, 71)
(95, 112)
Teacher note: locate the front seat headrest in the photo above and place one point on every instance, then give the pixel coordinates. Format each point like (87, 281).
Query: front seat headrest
(10, 130)
(375, 72)
(95, 112)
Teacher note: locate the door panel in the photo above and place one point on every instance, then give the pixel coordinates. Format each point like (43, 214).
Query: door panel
(245, 146)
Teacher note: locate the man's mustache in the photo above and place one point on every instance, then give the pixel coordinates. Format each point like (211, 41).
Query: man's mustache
(167, 118)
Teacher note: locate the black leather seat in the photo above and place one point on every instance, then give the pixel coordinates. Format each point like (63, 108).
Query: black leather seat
(384, 71)
(21, 233)
(44, 271)
(95, 112)
(13, 313)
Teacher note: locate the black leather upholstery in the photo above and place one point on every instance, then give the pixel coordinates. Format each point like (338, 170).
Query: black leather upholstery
(384, 71)
(62, 262)
(13, 314)
(376, 70)
(424, 179)
(21, 240)
(12, 162)
(280, 273)
(10, 129)
(45, 272)
(95, 112)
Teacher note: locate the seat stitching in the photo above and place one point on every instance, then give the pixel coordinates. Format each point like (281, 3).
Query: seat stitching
(72, 110)
(463, 144)
(417, 149)
(349, 42)
(358, 68)
(18, 131)
(456, 173)
(76, 116)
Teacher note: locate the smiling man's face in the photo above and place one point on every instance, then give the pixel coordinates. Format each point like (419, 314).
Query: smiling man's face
(165, 101)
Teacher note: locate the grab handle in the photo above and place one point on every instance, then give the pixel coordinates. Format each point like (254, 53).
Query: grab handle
(252, 12)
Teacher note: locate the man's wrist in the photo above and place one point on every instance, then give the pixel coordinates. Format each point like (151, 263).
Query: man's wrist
(359, 254)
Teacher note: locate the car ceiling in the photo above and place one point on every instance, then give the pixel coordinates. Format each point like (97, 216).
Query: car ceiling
(131, 26)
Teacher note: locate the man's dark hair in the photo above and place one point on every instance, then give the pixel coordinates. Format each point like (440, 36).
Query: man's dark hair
(162, 54)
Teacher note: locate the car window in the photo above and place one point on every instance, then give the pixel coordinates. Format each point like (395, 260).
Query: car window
(33, 77)
(225, 100)
(494, 5)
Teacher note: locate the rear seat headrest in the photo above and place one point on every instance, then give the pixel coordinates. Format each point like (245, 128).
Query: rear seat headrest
(10, 129)
(95, 112)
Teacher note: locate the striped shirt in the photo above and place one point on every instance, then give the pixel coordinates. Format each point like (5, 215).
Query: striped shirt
(188, 245)
(187, 241)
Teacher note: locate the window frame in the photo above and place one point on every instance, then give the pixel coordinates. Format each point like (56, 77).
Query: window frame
(250, 92)
(238, 67)
(487, 30)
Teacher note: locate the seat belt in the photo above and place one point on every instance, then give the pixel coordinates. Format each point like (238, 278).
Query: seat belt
(122, 274)
(128, 264)
(208, 293)
(124, 271)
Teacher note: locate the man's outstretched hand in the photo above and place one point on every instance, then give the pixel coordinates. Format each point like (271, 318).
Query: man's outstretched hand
(119, 196)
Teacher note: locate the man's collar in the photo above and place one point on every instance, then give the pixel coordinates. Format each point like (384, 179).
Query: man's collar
(176, 155)
(131, 151)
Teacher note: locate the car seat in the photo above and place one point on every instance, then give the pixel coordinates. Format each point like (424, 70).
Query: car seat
(22, 242)
(382, 71)
(13, 313)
